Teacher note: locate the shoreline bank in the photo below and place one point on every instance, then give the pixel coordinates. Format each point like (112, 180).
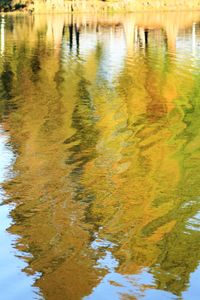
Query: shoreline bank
(83, 6)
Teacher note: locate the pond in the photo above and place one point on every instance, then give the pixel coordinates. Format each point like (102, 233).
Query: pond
(100, 156)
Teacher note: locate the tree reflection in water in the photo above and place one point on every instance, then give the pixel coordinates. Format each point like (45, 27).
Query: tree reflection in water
(105, 126)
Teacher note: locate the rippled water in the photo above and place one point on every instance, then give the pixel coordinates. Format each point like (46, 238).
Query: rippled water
(100, 157)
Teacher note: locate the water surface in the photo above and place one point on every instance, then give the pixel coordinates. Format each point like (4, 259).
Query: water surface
(100, 157)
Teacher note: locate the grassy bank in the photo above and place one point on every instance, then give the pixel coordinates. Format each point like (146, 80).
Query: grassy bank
(40, 6)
